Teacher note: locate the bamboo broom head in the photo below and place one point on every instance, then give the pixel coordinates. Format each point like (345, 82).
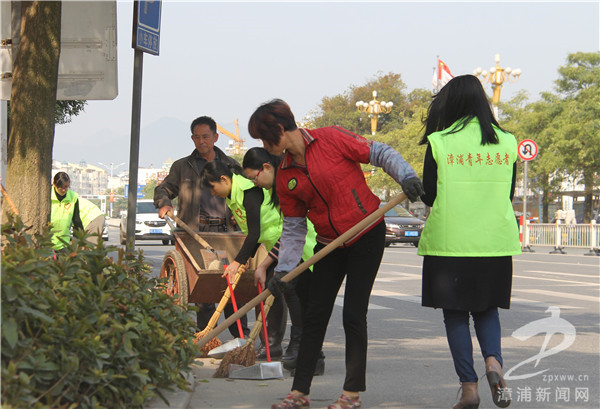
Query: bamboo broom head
(216, 342)
(246, 354)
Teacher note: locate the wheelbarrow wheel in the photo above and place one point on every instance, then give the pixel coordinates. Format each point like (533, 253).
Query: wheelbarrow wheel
(173, 268)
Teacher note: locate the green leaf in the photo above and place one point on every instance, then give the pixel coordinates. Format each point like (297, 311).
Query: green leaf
(9, 332)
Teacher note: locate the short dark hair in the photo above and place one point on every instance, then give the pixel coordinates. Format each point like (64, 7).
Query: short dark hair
(212, 172)
(255, 158)
(61, 179)
(462, 97)
(268, 120)
(204, 120)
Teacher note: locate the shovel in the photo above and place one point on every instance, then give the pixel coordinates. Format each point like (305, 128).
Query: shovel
(357, 228)
(213, 259)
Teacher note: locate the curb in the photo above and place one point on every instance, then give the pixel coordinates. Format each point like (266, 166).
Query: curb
(178, 399)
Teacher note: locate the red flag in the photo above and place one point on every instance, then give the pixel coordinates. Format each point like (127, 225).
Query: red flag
(443, 75)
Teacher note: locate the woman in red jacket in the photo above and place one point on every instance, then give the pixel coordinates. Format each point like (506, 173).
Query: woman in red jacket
(320, 178)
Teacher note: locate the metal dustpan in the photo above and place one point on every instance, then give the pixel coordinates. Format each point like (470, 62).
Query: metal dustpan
(220, 351)
(263, 370)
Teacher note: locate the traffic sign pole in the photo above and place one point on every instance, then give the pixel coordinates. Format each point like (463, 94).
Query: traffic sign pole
(527, 150)
(145, 38)
(134, 148)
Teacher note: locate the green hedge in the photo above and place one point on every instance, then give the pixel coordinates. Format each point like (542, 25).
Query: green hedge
(84, 331)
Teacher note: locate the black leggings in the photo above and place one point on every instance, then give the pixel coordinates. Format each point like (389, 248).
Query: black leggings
(318, 290)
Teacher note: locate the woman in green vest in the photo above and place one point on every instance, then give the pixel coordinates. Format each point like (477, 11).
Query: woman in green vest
(471, 233)
(62, 208)
(68, 209)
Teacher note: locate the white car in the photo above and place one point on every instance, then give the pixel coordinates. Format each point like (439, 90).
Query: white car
(148, 226)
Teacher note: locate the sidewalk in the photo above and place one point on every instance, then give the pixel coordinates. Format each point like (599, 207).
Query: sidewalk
(209, 392)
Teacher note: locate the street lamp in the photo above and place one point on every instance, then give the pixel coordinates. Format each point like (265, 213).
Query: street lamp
(112, 167)
(374, 108)
(497, 76)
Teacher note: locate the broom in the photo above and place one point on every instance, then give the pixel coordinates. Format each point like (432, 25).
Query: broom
(207, 346)
(351, 232)
(244, 355)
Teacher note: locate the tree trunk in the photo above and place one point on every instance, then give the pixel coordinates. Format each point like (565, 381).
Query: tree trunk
(33, 97)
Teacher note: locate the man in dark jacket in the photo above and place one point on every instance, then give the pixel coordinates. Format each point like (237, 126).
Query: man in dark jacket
(197, 207)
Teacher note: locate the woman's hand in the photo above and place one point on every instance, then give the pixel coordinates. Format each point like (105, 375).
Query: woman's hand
(231, 270)
(260, 276)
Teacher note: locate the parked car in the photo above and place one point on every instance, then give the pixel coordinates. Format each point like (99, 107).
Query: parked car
(148, 226)
(402, 227)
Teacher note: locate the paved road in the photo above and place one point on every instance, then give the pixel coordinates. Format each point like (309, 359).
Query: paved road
(551, 341)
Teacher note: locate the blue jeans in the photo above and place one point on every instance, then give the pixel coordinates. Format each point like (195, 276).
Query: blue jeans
(487, 329)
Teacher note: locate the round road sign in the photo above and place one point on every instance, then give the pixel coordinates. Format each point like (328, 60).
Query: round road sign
(527, 149)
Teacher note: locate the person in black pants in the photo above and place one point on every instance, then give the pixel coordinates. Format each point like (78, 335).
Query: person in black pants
(320, 178)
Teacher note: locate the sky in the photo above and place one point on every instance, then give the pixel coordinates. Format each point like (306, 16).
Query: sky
(223, 59)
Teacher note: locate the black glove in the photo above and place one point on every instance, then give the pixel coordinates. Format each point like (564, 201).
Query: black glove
(276, 286)
(413, 188)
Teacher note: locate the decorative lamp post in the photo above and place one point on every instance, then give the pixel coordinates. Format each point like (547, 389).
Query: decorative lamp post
(497, 76)
(374, 108)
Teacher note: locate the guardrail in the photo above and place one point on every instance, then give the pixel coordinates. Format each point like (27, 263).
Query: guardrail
(561, 236)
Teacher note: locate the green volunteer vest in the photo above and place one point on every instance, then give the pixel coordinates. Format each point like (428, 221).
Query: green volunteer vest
(88, 211)
(271, 222)
(61, 217)
(472, 215)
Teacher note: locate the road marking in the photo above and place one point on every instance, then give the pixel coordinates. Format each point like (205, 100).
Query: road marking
(401, 277)
(561, 274)
(339, 301)
(402, 265)
(555, 263)
(560, 295)
(557, 280)
(530, 303)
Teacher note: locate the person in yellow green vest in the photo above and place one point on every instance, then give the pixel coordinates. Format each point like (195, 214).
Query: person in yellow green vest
(470, 236)
(68, 209)
(261, 168)
(62, 208)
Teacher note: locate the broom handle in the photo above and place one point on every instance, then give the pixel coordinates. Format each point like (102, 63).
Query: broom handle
(264, 325)
(354, 230)
(191, 232)
(235, 308)
(258, 324)
(224, 300)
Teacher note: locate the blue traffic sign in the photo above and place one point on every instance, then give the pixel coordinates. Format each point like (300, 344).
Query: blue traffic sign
(147, 28)
(140, 193)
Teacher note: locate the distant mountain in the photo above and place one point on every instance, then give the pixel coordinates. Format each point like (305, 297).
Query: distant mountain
(162, 139)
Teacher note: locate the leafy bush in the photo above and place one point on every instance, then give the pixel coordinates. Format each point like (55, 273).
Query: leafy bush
(83, 331)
